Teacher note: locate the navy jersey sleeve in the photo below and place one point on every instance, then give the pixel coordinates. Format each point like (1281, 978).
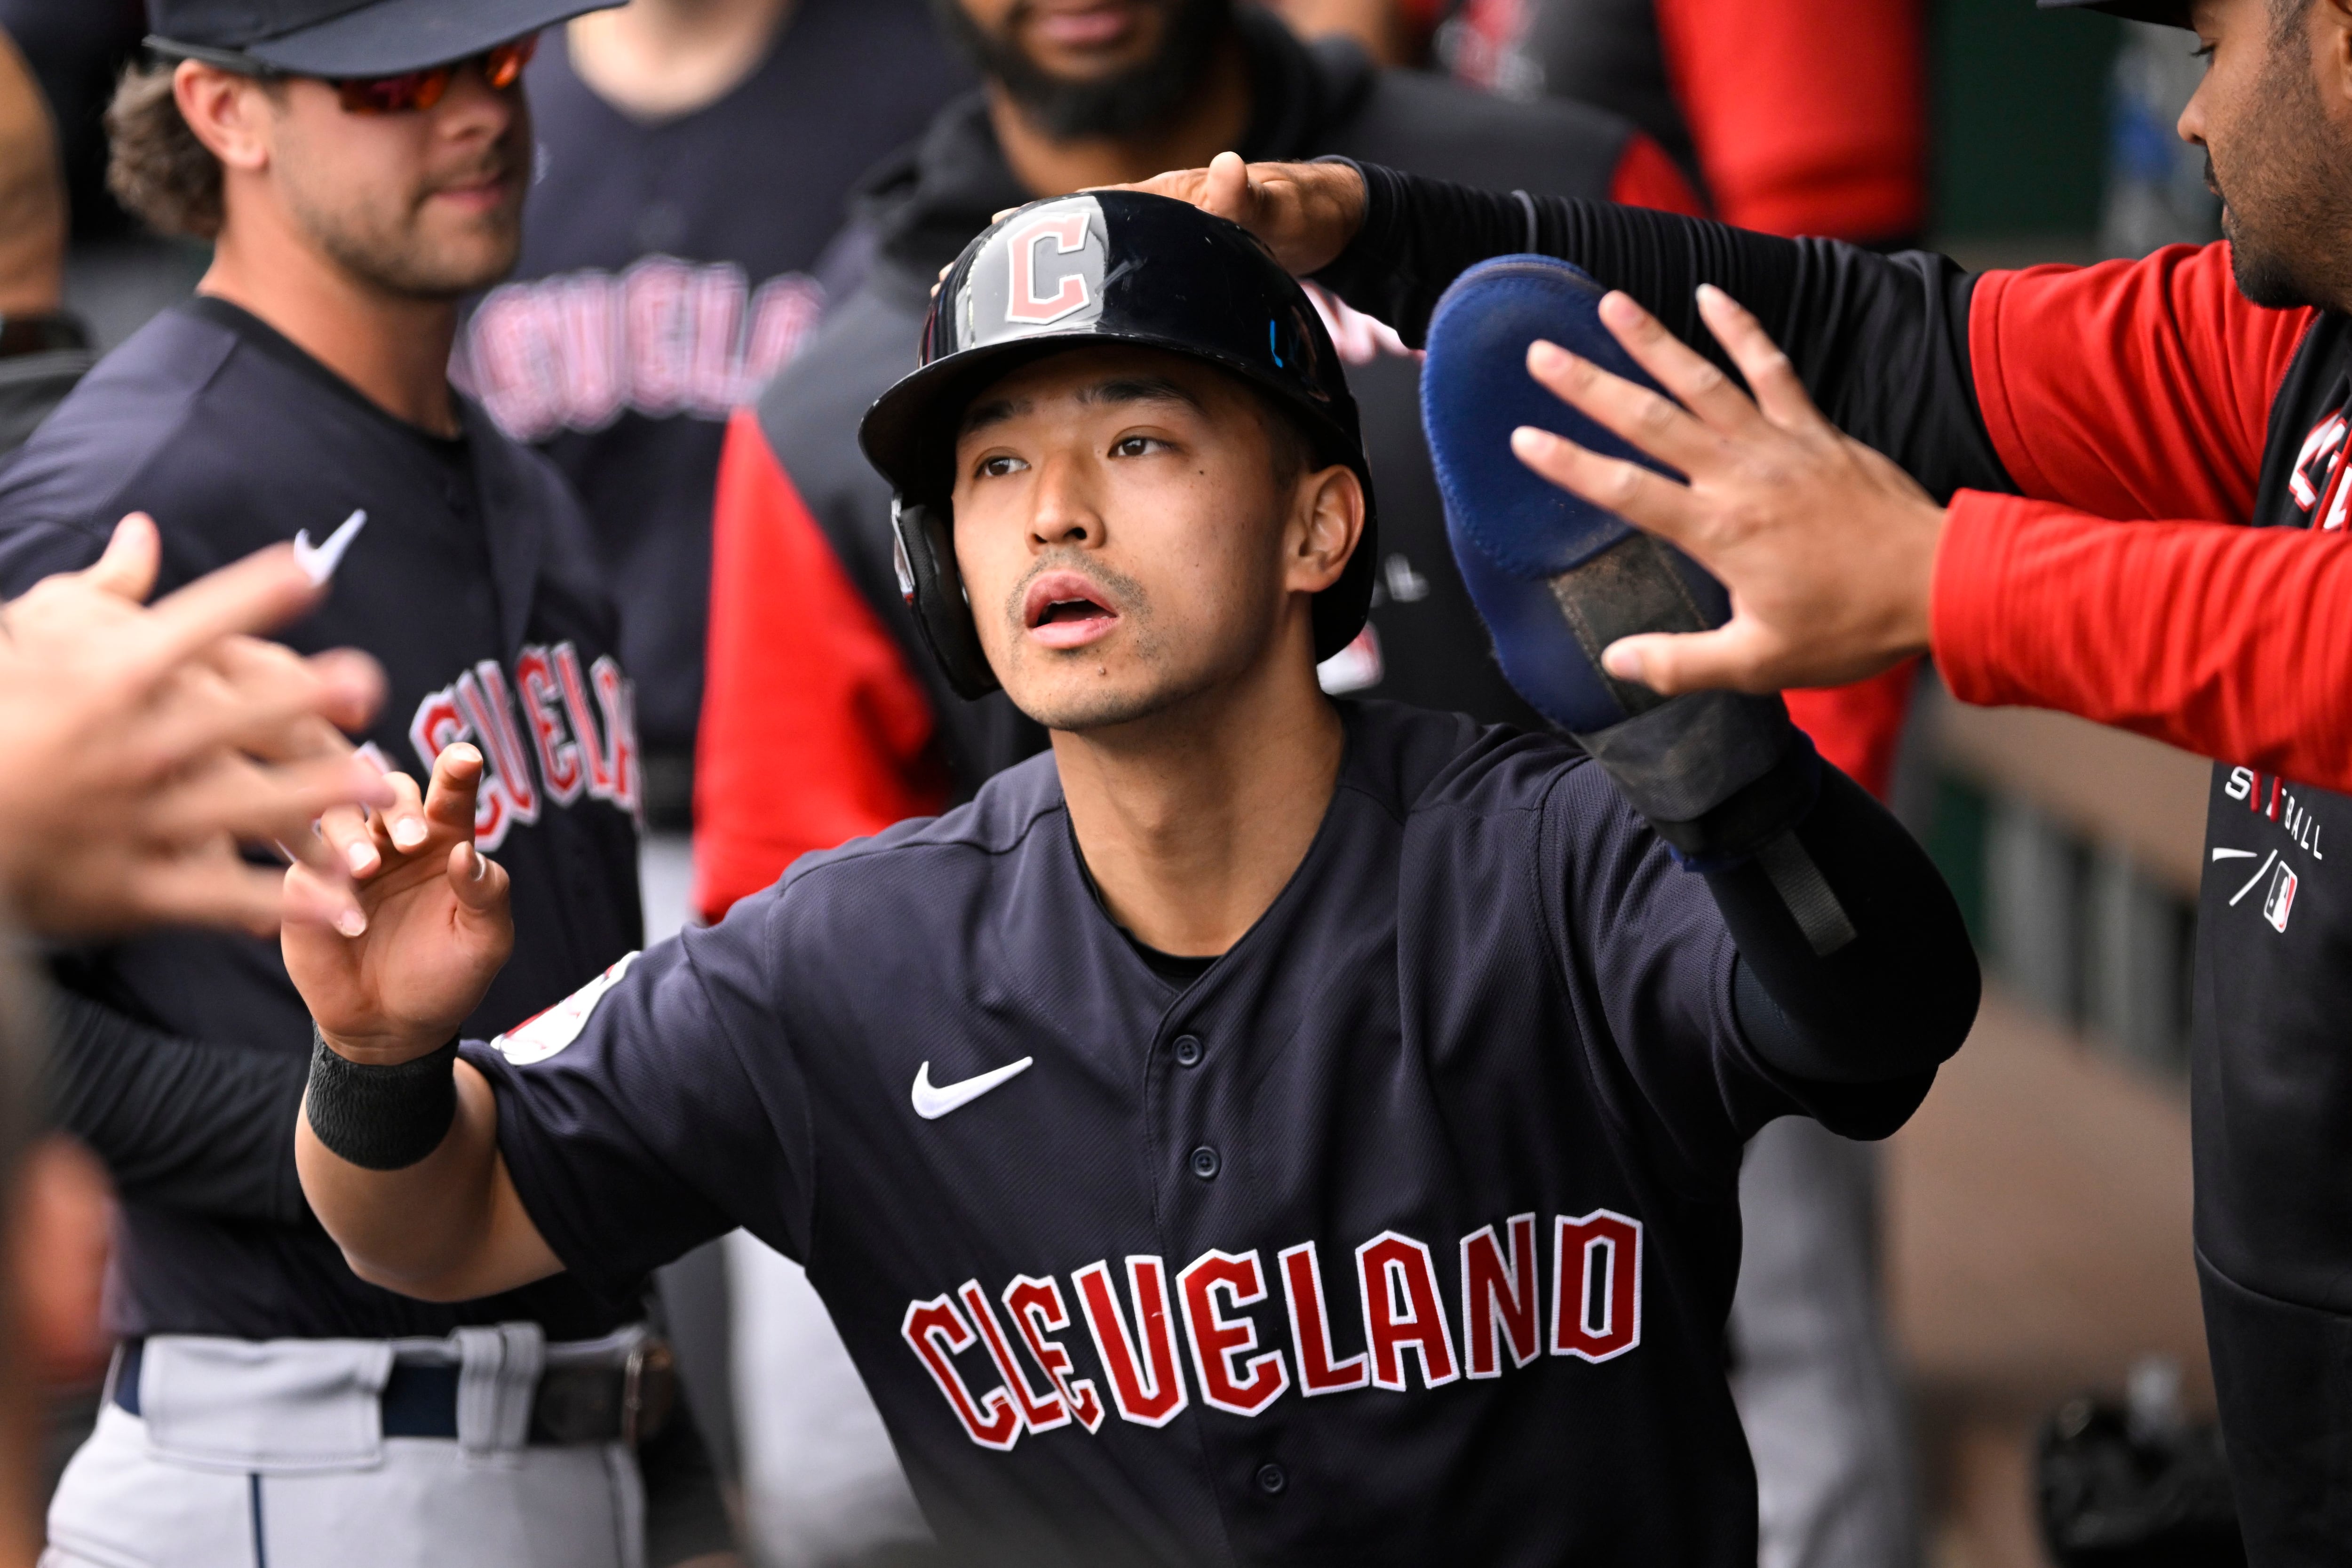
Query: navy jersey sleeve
(657, 1108)
(1651, 966)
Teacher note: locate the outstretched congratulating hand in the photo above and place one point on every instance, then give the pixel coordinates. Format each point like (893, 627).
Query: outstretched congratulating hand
(1828, 548)
(149, 744)
(1305, 213)
(433, 925)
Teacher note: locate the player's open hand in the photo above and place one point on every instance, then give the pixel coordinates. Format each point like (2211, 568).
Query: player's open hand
(147, 744)
(433, 930)
(1306, 212)
(1827, 547)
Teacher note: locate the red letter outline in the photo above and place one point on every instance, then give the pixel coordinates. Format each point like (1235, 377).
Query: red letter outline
(1619, 1237)
(1499, 1295)
(1311, 1327)
(1391, 1256)
(1218, 1342)
(926, 1323)
(1038, 1311)
(1154, 1403)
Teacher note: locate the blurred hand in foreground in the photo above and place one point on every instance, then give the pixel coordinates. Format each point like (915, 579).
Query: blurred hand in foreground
(147, 744)
(1828, 548)
(1305, 213)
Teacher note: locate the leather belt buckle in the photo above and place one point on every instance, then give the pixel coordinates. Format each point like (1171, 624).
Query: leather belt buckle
(648, 1390)
(631, 1401)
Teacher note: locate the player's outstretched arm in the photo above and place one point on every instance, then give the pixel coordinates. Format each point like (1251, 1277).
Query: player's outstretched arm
(397, 1143)
(1880, 342)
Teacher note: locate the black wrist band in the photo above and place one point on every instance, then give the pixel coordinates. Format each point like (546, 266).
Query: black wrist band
(380, 1118)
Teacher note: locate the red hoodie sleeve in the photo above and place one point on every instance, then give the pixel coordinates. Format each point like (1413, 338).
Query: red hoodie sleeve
(2234, 643)
(1808, 115)
(2140, 390)
(813, 730)
(2131, 389)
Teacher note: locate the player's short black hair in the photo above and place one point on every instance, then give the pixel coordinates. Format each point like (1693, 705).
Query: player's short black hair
(1295, 448)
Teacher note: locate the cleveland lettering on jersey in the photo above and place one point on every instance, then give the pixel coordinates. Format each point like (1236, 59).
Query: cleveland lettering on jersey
(551, 733)
(1593, 1313)
(665, 337)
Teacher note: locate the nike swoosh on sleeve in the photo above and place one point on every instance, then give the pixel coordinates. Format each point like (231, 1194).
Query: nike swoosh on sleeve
(933, 1102)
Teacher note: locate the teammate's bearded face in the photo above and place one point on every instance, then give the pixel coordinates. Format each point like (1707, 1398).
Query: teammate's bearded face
(1131, 536)
(425, 203)
(1092, 67)
(2275, 153)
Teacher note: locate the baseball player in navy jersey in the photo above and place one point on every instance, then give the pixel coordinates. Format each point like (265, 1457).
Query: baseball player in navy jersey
(1267, 1128)
(360, 169)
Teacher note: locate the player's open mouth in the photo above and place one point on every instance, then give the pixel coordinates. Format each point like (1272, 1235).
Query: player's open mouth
(1062, 609)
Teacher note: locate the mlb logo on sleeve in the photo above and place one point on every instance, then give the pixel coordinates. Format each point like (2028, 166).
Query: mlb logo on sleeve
(2280, 900)
(542, 1035)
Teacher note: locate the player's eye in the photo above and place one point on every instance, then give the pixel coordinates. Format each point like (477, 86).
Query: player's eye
(996, 468)
(1135, 447)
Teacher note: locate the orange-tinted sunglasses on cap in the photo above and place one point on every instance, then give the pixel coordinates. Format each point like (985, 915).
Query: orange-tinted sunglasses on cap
(500, 66)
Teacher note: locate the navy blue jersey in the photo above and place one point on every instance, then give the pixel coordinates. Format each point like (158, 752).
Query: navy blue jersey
(1403, 1233)
(472, 581)
(668, 269)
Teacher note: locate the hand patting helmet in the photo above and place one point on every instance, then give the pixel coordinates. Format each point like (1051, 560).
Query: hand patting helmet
(1110, 267)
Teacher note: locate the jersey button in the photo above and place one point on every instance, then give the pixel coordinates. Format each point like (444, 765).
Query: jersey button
(1205, 1163)
(1271, 1480)
(1188, 1051)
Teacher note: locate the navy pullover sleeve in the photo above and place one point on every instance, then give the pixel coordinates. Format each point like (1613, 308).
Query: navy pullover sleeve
(190, 1125)
(1881, 342)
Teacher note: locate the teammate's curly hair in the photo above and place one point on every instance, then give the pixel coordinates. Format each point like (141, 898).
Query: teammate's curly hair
(156, 166)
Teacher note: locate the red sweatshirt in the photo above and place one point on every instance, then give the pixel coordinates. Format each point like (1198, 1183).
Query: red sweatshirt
(2146, 391)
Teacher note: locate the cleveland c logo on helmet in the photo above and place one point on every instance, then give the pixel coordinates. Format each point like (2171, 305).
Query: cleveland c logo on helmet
(1042, 272)
(1027, 303)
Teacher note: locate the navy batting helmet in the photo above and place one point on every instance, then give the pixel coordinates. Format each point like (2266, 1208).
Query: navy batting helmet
(1108, 266)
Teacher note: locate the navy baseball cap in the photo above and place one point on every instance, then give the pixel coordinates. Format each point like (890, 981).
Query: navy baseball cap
(349, 37)
(2163, 13)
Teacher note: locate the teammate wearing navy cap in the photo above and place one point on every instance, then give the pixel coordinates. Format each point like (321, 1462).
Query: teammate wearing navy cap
(1267, 1128)
(359, 169)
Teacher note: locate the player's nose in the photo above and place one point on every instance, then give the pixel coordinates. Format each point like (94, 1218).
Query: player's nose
(1066, 510)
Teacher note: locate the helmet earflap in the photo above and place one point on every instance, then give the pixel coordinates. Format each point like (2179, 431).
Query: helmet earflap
(923, 550)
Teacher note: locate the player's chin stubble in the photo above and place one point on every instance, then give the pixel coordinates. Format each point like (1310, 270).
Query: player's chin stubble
(2284, 210)
(407, 249)
(1073, 689)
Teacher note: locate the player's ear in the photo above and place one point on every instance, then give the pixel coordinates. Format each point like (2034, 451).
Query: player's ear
(1327, 523)
(226, 112)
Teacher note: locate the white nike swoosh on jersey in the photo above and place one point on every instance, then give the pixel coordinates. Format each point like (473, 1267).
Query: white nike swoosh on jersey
(2222, 853)
(933, 1103)
(319, 561)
